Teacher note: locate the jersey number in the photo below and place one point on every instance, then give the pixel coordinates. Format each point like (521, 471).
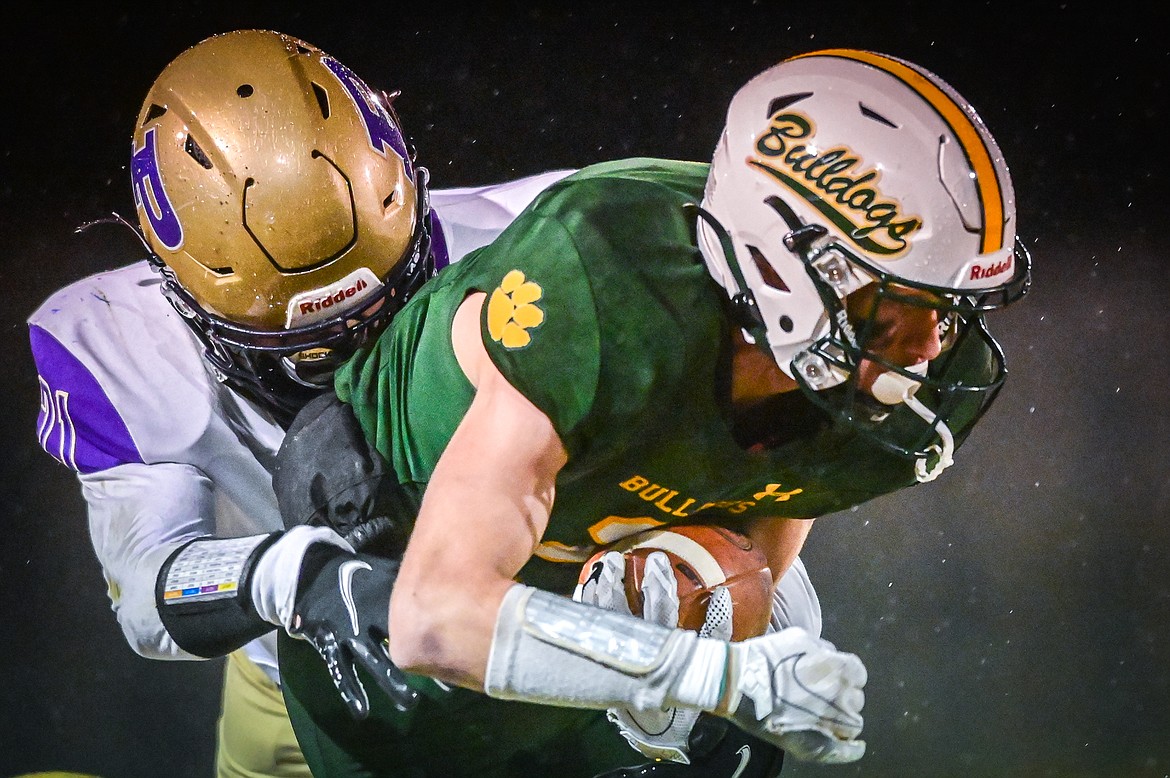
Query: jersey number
(55, 428)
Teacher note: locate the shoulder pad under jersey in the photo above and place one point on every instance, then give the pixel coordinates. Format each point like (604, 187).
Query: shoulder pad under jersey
(474, 216)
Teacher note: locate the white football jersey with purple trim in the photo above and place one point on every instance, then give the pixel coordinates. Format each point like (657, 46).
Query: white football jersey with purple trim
(164, 452)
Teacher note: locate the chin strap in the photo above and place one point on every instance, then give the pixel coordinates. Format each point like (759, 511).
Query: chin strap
(892, 388)
(945, 452)
(743, 303)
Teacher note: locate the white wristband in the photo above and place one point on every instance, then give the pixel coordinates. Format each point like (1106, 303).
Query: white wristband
(277, 572)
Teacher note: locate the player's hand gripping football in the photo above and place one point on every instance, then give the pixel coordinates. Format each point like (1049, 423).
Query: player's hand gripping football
(658, 734)
(798, 692)
(788, 688)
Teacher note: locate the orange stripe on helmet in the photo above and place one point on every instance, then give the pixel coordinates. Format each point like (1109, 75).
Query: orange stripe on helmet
(987, 183)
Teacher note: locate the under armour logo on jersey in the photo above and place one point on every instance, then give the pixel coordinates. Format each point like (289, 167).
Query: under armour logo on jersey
(512, 311)
(773, 490)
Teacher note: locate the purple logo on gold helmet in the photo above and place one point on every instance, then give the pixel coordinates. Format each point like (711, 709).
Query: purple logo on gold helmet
(149, 195)
(380, 127)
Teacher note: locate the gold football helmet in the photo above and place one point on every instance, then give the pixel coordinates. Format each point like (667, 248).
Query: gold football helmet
(283, 206)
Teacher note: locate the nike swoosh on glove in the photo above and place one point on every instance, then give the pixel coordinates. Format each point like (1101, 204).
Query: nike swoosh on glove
(342, 605)
(800, 693)
(658, 734)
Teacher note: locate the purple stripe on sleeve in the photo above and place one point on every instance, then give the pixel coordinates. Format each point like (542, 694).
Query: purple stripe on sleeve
(438, 242)
(77, 424)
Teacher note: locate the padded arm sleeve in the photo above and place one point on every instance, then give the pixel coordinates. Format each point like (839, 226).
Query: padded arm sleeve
(554, 651)
(138, 516)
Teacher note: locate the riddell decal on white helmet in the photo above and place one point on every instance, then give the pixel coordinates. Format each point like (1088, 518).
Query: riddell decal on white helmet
(316, 304)
(835, 182)
(983, 273)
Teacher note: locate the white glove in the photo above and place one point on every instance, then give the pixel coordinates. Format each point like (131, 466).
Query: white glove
(798, 692)
(662, 733)
(789, 689)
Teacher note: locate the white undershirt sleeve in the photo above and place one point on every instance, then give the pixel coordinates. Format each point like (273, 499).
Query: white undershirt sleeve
(138, 515)
(795, 602)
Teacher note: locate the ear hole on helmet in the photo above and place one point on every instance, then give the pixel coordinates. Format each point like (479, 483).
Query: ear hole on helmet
(322, 99)
(196, 153)
(153, 113)
(869, 113)
(245, 90)
(767, 272)
(778, 104)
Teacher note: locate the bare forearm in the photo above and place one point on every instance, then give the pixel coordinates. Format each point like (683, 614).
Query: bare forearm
(486, 507)
(442, 613)
(781, 541)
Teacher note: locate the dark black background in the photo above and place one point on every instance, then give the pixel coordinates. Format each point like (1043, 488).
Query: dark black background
(1014, 615)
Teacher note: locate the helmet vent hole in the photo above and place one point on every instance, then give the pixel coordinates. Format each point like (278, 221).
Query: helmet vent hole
(196, 153)
(767, 272)
(778, 104)
(245, 90)
(869, 113)
(153, 113)
(389, 201)
(322, 99)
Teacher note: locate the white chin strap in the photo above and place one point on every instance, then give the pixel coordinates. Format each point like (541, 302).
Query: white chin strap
(892, 388)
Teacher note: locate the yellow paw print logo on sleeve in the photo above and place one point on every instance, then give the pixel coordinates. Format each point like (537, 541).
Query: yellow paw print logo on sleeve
(512, 310)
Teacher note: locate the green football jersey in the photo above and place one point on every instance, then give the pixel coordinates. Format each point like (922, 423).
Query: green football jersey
(600, 310)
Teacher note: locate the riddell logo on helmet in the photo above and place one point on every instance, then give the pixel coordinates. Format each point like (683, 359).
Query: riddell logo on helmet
(832, 182)
(979, 273)
(328, 301)
(341, 296)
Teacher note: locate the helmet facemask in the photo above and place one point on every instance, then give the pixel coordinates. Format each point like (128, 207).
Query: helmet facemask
(947, 394)
(284, 369)
(828, 370)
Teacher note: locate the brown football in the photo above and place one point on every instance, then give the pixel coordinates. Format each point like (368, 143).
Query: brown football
(703, 557)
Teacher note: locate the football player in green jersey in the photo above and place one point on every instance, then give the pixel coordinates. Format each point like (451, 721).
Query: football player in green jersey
(793, 329)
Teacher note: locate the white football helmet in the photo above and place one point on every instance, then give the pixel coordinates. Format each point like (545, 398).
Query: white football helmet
(843, 168)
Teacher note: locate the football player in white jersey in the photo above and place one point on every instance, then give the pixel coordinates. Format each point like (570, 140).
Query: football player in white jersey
(286, 221)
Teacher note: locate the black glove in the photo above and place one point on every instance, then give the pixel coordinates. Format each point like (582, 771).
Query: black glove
(328, 474)
(342, 607)
(716, 748)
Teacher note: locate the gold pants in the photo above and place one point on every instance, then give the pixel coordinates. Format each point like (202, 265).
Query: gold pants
(256, 739)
